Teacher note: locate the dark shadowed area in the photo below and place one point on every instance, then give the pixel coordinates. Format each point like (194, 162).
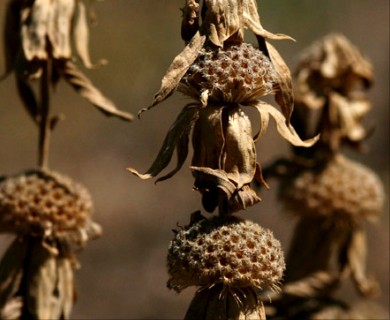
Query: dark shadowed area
(123, 274)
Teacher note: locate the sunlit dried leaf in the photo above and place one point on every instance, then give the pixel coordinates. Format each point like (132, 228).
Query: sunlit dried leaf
(66, 289)
(11, 271)
(284, 97)
(177, 69)
(34, 29)
(12, 309)
(42, 301)
(59, 26)
(286, 131)
(88, 91)
(252, 22)
(175, 138)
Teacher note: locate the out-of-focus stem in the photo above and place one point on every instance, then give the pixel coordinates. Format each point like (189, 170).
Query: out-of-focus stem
(44, 124)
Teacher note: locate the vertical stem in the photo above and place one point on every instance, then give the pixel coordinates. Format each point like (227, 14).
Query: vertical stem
(44, 126)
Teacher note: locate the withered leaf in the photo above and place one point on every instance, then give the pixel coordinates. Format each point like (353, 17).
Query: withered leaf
(285, 130)
(176, 137)
(34, 29)
(59, 26)
(252, 22)
(66, 289)
(178, 68)
(11, 270)
(284, 96)
(81, 37)
(222, 19)
(42, 292)
(88, 91)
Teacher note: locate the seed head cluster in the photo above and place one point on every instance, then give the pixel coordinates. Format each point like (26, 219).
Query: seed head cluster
(344, 188)
(238, 73)
(228, 251)
(37, 201)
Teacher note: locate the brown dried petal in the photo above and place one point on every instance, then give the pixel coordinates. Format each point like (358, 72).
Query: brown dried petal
(190, 22)
(177, 137)
(88, 91)
(285, 130)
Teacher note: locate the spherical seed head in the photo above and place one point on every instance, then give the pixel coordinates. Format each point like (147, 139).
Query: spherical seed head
(343, 189)
(229, 251)
(41, 202)
(238, 73)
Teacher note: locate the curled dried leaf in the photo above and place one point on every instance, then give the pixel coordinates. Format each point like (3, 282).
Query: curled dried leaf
(176, 138)
(177, 69)
(285, 129)
(87, 90)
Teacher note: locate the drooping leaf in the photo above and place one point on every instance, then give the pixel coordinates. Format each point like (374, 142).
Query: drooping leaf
(285, 130)
(222, 19)
(88, 91)
(177, 69)
(175, 138)
(81, 37)
(252, 22)
(42, 295)
(65, 289)
(34, 29)
(284, 96)
(59, 26)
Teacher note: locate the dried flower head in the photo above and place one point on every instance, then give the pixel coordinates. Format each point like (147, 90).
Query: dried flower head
(343, 189)
(331, 79)
(46, 204)
(224, 74)
(227, 251)
(42, 33)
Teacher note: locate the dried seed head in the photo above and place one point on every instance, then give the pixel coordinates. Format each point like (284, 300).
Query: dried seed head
(343, 189)
(237, 73)
(227, 251)
(44, 203)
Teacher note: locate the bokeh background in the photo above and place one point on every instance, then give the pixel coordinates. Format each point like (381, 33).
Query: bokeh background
(123, 274)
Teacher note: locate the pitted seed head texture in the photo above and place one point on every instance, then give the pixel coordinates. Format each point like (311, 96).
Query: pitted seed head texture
(230, 251)
(38, 200)
(239, 73)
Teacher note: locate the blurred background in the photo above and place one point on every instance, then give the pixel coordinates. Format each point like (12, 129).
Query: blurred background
(123, 274)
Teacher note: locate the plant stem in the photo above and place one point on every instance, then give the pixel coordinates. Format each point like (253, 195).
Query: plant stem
(44, 125)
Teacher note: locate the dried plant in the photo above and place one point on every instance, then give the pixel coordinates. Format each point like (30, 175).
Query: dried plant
(231, 260)
(331, 195)
(48, 213)
(224, 74)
